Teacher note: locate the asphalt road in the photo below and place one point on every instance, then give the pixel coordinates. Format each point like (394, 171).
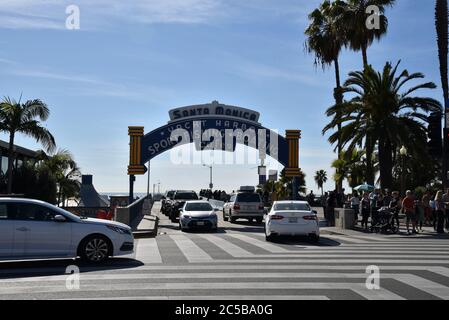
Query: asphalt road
(237, 263)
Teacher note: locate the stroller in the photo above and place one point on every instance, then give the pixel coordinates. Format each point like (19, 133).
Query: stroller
(382, 221)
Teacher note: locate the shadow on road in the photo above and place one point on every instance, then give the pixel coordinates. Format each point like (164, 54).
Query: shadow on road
(36, 268)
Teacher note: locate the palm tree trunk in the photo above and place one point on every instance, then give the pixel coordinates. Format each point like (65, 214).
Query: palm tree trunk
(338, 95)
(369, 161)
(385, 163)
(10, 161)
(365, 56)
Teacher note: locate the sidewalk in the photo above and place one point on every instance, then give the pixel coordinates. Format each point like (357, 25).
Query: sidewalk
(147, 228)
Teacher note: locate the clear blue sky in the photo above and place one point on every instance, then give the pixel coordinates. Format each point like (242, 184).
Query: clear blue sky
(132, 61)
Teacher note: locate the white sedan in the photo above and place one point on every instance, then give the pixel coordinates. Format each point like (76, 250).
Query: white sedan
(294, 218)
(198, 214)
(32, 229)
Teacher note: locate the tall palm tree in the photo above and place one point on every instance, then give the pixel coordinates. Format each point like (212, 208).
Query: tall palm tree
(321, 179)
(441, 23)
(25, 118)
(385, 111)
(359, 37)
(325, 39)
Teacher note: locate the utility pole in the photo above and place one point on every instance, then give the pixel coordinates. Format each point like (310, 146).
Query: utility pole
(211, 185)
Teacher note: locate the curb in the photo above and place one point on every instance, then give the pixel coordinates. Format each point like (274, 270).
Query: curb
(150, 233)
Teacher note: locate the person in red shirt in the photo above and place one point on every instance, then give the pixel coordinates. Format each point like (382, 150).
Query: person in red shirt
(408, 207)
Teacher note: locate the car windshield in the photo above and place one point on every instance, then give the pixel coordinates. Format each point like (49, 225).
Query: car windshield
(198, 207)
(248, 197)
(292, 206)
(186, 196)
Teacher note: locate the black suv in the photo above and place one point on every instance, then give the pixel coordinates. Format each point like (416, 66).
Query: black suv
(179, 199)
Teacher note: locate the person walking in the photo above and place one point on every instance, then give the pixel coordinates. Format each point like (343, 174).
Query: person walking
(330, 206)
(427, 209)
(445, 199)
(366, 207)
(355, 205)
(439, 212)
(408, 207)
(419, 209)
(395, 206)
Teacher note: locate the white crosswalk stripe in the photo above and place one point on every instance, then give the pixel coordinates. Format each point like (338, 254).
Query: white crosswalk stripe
(280, 271)
(191, 251)
(258, 243)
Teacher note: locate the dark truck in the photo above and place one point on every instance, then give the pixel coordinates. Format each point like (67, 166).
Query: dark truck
(179, 199)
(165, 202)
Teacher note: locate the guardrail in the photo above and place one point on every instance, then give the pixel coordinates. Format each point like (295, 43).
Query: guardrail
(133, 214)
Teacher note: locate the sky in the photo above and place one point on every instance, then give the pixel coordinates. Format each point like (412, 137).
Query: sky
(130, 62)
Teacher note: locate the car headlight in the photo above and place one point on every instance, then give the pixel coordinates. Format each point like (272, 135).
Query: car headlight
(214, 216)
(119, 230)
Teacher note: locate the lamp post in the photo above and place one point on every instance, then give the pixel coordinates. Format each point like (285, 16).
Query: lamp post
(403, 153)
(211, 185)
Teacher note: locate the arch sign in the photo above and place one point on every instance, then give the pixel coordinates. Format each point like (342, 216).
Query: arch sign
(213, 126)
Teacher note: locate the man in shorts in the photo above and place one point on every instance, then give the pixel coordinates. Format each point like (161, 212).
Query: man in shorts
(408, 207)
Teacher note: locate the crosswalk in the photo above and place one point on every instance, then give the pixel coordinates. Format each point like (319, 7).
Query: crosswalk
(243, 266)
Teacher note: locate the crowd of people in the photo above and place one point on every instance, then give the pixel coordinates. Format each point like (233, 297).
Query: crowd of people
(220, 195)
(429, 209)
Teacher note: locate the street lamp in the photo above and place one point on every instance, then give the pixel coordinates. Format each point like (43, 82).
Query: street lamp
(403, 153)
(211, 185)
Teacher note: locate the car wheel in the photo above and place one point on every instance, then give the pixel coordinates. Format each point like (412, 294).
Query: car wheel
(231, 218)
(259, 220)
(225, 218)
(269, 238)
(95, 249)
(314, 238)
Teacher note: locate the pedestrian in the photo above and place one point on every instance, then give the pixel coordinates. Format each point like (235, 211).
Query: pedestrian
(330, 206)
(355, 205)
(387, 198)
(408, 207)
(445, 199)
(373, 205)
(439, 212)
(366, 207)
(395, 206)
(427, 209)
(419, 209)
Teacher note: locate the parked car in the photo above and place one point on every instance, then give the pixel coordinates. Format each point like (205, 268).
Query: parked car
(32, 229)
(165, 201)
(179, 199)
(198, 214)
(295, 218)
(244, 204)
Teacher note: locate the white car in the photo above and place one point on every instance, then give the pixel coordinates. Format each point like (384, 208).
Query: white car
(198, 214)
(295, 218)
(32, 229)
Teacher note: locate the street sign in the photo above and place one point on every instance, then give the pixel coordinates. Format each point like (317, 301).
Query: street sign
(273, 175)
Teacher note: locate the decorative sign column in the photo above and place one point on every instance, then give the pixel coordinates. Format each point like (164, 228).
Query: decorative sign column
(135, 152)
(292, 170)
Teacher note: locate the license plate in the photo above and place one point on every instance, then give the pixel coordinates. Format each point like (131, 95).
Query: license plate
(293, 220)
(200, 223)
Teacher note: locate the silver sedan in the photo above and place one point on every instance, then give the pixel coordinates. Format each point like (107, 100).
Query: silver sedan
(198, 214)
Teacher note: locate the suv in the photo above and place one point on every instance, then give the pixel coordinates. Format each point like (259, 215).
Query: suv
(179, 199)
(165, 202)
(244, 204)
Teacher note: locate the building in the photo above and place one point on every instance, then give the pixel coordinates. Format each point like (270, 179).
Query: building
(21, 154)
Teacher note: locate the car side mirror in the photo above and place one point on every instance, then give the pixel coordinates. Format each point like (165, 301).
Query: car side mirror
(314, 211)
(216, 209)
(60, 218)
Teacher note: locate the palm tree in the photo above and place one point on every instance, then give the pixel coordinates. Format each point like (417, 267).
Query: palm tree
(66, 172)
(325, 39)
(360, 37)
(321, 179)
(441, 22)
(26, 118)
(384, 111)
